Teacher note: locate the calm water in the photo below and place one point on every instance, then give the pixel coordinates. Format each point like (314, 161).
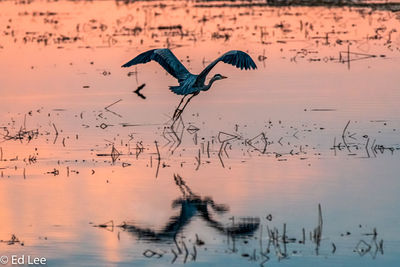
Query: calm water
(82, 182)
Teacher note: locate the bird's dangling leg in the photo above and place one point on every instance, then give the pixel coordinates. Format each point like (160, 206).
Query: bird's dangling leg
(177, 110)
(187, 102)
(180, 111)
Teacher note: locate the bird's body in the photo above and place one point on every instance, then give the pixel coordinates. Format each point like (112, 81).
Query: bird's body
(191, 84)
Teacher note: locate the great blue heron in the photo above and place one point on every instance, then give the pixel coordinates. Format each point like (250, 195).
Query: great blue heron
(190, 84)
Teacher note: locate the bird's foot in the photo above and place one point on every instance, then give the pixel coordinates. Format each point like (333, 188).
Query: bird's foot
(177, 114)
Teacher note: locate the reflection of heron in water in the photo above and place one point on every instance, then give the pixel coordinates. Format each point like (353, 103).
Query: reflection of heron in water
(192, 205)
(190, 84)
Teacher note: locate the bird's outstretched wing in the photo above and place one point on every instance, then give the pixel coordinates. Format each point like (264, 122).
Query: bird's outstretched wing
(237, 58)
(165, 58)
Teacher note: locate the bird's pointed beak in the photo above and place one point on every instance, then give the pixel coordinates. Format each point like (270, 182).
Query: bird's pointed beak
(223, 77)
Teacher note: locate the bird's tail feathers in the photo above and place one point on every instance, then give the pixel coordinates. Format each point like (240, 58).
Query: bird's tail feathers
(176, 89)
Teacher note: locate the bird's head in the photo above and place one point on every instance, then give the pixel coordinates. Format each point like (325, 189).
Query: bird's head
(218, 77)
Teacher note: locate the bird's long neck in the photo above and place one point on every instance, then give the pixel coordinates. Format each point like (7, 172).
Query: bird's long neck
(208, 86)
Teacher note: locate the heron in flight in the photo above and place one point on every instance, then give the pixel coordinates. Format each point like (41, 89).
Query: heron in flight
(191, 84)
